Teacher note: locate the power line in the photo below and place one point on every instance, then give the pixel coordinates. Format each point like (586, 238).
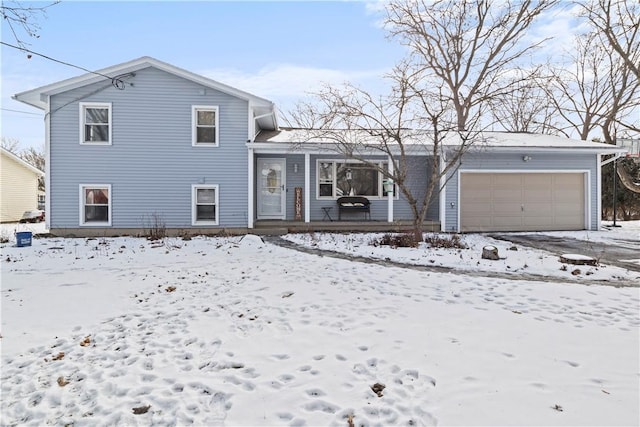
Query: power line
(116, 81)
(18, 111)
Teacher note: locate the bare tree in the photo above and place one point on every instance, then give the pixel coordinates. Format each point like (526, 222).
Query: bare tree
(34, 156)
(459, 54)
(403, 126)
(527, 108)
(590, 88)
(596, 92)
(468, 45)
(618, 22)
(10, 144)
(23, 19)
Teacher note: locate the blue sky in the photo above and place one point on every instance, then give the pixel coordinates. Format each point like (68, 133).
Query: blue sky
(277, 50)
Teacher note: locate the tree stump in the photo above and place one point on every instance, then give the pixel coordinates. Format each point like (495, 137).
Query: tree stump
(577, 259)
(490, 252)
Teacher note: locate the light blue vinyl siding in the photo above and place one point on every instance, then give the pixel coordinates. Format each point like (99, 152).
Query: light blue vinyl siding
(151, 164)
(540, 162)
(402, 210)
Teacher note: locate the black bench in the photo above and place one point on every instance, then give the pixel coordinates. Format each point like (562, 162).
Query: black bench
(353, 204)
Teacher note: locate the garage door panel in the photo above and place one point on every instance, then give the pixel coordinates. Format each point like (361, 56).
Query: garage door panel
(477, 210)
(537, 221)
(522, 201)
(508, 220)
(508, 195)
(506, 207)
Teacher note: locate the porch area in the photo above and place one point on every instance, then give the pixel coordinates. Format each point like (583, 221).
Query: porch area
(277, 227)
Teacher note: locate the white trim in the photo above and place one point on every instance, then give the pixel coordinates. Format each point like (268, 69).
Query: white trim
(442, 195)
(587, 194)
(84, 105)
(82, 221)
(599, 192)
(389, 199)
(252, 191)
(33, 97)
(307, 187)
(194, 211)
(587, 187)
(194, 125)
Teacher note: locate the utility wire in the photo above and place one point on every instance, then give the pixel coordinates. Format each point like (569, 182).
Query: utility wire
(116, 81)
(18, 111)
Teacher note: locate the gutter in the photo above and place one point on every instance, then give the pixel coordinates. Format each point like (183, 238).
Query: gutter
(615, 157)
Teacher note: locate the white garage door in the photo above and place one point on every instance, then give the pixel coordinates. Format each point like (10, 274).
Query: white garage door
(522, 201)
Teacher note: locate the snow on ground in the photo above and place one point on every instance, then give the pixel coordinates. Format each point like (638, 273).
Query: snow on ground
(514, 260)
(235, 331)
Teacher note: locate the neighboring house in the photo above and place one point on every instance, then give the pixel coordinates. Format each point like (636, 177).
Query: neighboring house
(161, 144)
(18, 187)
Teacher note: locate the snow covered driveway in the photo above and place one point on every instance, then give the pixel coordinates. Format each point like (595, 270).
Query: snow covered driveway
(232, 332)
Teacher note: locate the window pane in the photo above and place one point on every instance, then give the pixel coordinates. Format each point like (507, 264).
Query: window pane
(206, 195)
(96, 133)
(96, 196)
(356, 179)
(96, 214)
(96, 115)
(326, 190)
(207, 135)
(325, 171)
(207, 118)
(206, 213)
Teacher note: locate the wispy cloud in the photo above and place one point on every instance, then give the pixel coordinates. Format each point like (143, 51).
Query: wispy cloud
(287, 83)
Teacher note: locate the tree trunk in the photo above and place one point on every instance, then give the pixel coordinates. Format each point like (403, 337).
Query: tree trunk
(627, 179)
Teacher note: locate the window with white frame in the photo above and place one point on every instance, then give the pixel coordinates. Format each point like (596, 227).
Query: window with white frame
(95, 123)
(204, 205)
(349, 178)
(95, 204)
(205, 126)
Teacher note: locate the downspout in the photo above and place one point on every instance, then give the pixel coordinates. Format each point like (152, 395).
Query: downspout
(250, 185)
(47, 163)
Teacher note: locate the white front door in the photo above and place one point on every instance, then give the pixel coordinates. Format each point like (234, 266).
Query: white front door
(271, 191)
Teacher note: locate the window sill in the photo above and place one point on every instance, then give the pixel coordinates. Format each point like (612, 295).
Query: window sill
(201, 144)
(200, 223)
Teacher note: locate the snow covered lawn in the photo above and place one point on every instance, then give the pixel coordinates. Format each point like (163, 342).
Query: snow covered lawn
(231, 331)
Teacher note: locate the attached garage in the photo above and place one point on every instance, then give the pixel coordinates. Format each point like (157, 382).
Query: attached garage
(523, 201)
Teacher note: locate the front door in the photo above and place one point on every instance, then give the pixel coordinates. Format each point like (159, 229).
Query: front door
(271, 191)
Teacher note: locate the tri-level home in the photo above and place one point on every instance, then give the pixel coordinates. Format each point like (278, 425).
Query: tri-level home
(154, 143)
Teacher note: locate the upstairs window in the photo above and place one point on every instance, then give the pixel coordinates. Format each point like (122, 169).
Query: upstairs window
(95, 123)
(205, 126)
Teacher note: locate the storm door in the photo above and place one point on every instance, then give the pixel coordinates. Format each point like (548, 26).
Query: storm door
(271, 190)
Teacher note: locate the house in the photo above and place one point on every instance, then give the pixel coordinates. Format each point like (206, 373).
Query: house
(156, 144)
(18, 187)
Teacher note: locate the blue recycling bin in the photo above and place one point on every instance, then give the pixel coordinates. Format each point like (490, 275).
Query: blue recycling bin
(23, 238)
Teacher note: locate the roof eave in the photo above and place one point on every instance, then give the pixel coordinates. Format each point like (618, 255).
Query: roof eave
(34, 96)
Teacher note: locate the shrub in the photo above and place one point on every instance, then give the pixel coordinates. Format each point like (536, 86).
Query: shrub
(406, 240)
(154, 227)
(451, 241)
